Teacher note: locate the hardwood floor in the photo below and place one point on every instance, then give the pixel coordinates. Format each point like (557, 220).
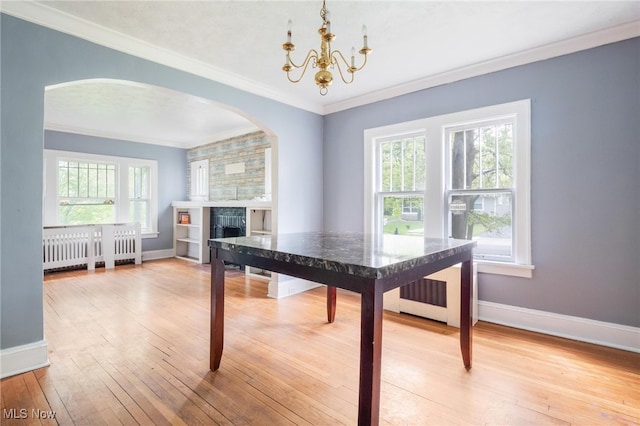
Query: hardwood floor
(130, 346)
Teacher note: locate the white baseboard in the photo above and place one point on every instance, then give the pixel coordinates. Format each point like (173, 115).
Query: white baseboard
(21, 359)
(575, 328)
(157, 254)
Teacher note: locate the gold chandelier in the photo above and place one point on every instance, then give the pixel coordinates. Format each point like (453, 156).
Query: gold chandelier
(327, 57)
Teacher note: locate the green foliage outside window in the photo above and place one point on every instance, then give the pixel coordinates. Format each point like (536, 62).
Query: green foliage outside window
(86, 192)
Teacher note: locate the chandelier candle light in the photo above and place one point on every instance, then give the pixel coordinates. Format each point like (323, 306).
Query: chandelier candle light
(327, 57)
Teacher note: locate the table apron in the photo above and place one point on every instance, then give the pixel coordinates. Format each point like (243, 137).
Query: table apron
(344, 279)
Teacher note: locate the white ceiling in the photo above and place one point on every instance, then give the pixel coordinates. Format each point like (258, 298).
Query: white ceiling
(131, 111)
(416, 44)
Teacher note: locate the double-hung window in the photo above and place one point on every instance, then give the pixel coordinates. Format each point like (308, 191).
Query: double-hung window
(479, 189)
(139, 194)
(401, 184)
(93, 189)
(463, 175)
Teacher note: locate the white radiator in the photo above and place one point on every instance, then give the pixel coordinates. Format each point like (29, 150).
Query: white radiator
(450, 313)
(64, 246)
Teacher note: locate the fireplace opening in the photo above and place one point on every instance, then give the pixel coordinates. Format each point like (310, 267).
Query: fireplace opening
(228, 222)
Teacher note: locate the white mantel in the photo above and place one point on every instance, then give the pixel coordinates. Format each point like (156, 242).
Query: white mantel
(225, 203)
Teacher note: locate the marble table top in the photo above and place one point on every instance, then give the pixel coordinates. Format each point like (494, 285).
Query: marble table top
(353, 253)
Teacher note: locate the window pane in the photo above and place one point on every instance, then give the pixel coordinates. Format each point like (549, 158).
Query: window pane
(463, 154)
(139, 212)
(482, 157)
(93, 181)
(396, 166)
(408, 158)
(403, 164)
(420, 164)
(63, 181)
(80, 214)
(139, 196)
(83, 180)
(505, 149)
(485, 218)
(487, 159)
(86, 193)
(403, 215)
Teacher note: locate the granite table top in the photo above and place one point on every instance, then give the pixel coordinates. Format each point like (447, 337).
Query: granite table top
(353, 253)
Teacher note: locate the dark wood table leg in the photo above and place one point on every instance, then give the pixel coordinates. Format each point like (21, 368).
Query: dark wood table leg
(466, 320)
(331, 303)
(370, 355)
(217, 312)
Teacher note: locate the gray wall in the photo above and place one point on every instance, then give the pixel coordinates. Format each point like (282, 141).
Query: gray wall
(585, 176)
(33, 57)
(172, 171)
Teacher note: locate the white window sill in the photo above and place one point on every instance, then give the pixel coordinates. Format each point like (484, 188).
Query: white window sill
(500, 268)
(146, 235)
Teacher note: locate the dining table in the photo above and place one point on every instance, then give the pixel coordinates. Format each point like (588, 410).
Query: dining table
(368, 264)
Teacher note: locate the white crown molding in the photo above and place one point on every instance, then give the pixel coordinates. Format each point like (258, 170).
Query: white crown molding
(153, 141)
(46, 16)
(584, 42)
(118, 136)
(575, 328)
(43, 15)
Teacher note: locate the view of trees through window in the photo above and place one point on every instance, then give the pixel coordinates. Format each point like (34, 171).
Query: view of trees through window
(480, 196)
(86, 192)
(479, 185)
(463, 175)
(403, 184)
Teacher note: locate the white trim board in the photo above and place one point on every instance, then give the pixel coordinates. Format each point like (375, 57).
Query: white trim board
(582, 329)
(286, 286)
(21, 359)
(157, 254)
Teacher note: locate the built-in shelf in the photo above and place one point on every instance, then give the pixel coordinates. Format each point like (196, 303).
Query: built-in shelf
(190, 239)
(258, 223)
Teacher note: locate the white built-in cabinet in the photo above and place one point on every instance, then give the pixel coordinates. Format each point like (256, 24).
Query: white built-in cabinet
(190, 240)
(190, 236)
(258, 223)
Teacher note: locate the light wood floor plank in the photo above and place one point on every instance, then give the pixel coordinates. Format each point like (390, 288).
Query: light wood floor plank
(130, 346)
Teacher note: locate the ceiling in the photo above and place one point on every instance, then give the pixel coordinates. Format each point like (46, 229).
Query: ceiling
(416, 44)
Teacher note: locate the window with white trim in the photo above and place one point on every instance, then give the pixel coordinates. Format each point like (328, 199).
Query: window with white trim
(463, 175)
(140, 196)
(199, 186)
(91, 189)
(401, 184)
